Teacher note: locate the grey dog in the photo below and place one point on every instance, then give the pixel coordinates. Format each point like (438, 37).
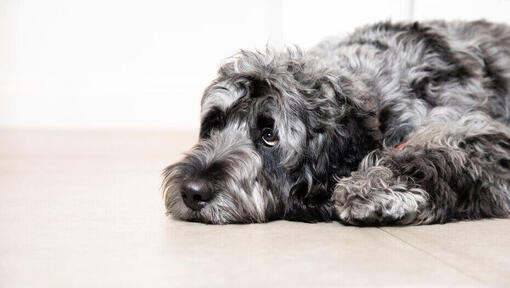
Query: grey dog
(398, 123)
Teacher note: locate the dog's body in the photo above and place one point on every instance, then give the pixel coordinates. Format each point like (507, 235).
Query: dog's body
(395, 124)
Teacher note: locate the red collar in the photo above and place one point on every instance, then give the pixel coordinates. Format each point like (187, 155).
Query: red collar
(400, 146)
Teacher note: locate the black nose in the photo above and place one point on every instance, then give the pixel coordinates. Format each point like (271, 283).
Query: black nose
(195, 193)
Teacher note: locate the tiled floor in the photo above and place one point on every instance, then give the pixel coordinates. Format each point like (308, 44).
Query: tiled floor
(84, 209)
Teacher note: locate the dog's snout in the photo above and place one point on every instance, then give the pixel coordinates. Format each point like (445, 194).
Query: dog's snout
(196, 193)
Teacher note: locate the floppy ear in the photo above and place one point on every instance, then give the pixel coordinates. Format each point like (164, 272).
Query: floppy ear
(341, 130)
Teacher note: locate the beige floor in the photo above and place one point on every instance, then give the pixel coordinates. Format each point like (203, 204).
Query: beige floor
(83, 209)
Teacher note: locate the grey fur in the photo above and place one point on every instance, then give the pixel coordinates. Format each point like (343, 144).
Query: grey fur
(340, 111)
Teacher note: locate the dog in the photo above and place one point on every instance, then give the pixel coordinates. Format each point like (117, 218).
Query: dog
(395, 124)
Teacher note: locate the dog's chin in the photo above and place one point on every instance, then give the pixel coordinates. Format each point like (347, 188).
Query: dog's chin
(184, 213)
(209, 214)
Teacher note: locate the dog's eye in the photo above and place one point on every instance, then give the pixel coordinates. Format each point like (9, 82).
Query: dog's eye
(269, 137)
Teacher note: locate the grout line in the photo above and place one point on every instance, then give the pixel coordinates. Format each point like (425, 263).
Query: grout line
(435, 257)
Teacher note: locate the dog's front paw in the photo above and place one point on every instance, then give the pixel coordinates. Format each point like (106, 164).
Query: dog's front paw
(375, 197)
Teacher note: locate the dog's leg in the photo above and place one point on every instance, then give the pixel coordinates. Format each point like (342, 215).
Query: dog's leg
(457, 170)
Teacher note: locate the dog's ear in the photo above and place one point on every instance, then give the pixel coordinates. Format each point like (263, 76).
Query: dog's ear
(343, 128)
(340, 132)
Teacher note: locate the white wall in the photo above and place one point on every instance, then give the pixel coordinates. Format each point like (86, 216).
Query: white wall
(143, 64)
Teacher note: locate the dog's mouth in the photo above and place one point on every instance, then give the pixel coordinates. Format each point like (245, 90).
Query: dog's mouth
(229, 203)
(194, 202)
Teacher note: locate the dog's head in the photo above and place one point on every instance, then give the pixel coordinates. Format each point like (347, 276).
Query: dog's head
(276, 129)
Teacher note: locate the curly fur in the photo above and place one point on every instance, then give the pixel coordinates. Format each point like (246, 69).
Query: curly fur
(398, 123)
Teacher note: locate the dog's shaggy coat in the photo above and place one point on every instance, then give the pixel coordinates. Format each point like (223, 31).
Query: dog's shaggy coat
(404, 123)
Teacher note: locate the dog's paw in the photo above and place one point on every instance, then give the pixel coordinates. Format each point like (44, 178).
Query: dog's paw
(375, 197)
(369, 211)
